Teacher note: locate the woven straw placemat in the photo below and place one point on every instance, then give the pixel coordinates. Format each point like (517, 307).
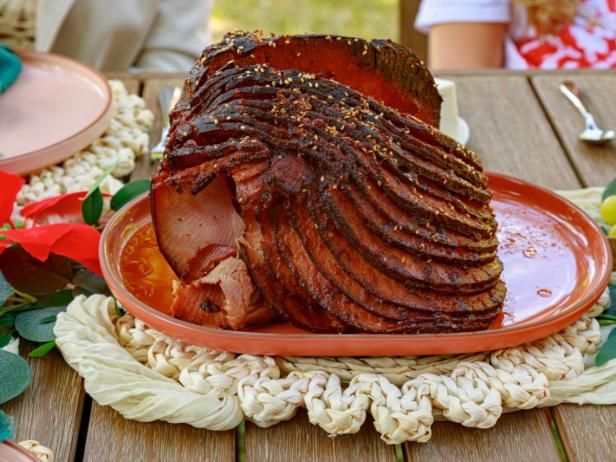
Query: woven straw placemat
(146, 376)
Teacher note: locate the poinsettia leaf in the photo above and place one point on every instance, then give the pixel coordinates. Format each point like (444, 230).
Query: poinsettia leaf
(129, 191)
(66, 208)
(5, 338)
(76, 241)
(30, 326)
(92, 207)
(6, 290)
(606, 352)
(16, 375)
(11, 185)
(61, 265)
(43, 349)
(609, 190)
(90, 281)
(29, 275)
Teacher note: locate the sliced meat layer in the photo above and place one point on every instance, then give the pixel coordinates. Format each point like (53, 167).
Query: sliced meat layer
(301, 180)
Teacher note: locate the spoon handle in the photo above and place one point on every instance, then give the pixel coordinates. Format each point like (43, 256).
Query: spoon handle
(574, 95)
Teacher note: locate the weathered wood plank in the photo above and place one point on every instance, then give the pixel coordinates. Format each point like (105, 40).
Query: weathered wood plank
(587, 431)
(596, 165)
(151, 88)
(509, 129)
(300, 440)
(111, 438)
(49, 411)
(519, 436)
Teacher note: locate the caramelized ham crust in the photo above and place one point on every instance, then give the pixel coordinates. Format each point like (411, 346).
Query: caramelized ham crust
(303, 178)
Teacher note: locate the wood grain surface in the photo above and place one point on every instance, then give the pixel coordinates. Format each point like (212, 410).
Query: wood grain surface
(587, 431)
(521, 436)
(596, 165)
(298, 440)
(516, 131)
(509, 129)
(111, 438)
(49, 411)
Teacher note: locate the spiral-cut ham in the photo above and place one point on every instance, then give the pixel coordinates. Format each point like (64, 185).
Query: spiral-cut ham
(301, 182)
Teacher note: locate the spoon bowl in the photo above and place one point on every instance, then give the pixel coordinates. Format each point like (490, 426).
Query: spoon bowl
(597, 136)
(592, 133)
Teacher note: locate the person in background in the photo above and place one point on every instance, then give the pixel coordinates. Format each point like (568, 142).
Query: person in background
(111, 35)
(519, 34)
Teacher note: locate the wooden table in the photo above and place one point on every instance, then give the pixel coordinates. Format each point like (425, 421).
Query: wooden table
(520, 125)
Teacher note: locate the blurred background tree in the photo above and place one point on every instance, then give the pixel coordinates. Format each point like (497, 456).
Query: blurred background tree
(360, 18)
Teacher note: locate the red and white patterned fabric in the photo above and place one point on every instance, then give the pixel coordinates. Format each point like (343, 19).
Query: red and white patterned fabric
(589, 41)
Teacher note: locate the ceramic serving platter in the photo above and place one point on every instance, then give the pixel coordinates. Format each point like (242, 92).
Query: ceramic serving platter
(556, 261)
(56, 107)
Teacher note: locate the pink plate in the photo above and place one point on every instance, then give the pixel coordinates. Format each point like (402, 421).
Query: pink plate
(10, 451)
(56, 107)
(557, 263)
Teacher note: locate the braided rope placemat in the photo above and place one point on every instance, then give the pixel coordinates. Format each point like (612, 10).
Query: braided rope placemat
(146, 376)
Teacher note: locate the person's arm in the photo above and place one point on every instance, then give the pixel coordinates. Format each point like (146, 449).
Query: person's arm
(466, 45)
(179, 33)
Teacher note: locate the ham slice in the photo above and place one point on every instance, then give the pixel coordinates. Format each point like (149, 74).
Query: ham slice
(304, 179)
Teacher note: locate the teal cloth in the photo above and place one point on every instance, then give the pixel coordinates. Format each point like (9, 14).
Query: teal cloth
(10, 67)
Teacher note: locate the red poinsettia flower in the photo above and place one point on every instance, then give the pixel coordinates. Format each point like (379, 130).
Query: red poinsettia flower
(65, 208)
(76, 241)
(11, 185)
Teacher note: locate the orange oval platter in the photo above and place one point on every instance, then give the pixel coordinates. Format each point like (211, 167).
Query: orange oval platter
(557, 263)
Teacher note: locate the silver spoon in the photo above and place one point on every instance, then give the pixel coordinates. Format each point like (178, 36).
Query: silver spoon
(591, 133)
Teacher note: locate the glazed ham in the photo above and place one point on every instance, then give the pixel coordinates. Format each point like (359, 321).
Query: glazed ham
(304, 179)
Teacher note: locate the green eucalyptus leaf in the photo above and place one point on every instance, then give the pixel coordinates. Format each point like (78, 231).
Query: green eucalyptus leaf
(6, 289)
(43, 349)
(609, 190)
(611, 310)
(30, 326)
(128, 192)
(48, 319)
(7, 320)
(16, 375)
(59, 298)
(7, 428)
(92, 207)
(612, 333)
(5, 338)
(607, 351)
